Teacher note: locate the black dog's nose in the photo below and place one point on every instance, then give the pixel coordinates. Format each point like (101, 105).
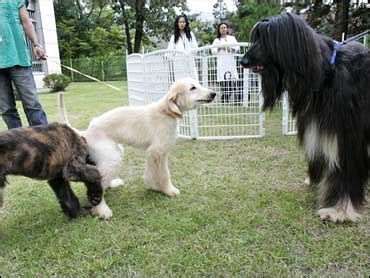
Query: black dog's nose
(245, 61)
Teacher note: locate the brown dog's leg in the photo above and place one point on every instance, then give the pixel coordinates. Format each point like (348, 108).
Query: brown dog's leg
(91, 177)
(67, 199)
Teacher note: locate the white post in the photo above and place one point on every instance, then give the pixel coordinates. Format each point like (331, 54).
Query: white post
(261, 114)
(193, 114)
(285, 114)
(246, 88)
(205, 71)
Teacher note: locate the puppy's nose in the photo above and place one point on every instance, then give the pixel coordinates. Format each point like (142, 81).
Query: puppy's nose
(212, 94)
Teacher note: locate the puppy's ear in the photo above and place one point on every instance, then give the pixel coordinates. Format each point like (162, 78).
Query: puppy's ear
(173, 109)
(172, 95)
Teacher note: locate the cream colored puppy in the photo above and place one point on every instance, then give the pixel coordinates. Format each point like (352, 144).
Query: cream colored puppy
(149, 127)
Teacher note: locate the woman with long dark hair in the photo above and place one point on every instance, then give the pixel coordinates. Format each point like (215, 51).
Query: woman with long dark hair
(183, 38)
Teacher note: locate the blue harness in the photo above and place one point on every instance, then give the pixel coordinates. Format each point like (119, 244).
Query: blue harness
(336, 45)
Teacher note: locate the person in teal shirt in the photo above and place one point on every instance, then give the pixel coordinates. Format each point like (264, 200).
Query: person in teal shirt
(15, 65)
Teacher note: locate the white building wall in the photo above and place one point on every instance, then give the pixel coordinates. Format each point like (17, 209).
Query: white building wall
(47, 33)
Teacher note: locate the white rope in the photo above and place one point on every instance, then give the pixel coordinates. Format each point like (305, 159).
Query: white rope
(88, 76)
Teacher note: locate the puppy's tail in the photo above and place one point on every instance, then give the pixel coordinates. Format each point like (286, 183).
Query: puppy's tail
(62, 110)
(63, 117)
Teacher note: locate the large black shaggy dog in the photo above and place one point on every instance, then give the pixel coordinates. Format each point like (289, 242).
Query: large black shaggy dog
(329, 93)
(52, 152)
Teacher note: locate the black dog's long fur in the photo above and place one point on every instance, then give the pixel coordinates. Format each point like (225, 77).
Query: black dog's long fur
(331, 103)
(50, 152)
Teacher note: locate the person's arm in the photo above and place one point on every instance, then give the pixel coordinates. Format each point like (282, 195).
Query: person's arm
(231, 40)
(194, 43)
(216, 42)
(171, 44)
(30, 33)
(236, 47)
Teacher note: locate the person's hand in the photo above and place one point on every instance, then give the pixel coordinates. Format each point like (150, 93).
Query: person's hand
(39, 52)
(229, 49)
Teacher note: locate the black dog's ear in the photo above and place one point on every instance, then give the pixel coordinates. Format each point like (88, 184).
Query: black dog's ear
(272, 86)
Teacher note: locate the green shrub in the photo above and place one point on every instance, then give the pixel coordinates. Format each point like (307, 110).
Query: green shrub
(56, 82)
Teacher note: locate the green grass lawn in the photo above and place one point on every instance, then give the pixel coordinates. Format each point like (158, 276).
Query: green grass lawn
(243, 211)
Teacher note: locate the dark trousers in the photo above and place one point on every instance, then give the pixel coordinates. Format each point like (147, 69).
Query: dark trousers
(22, 78)
(232, 88)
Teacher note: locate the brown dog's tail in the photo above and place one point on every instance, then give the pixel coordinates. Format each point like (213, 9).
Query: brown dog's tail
(62, 110)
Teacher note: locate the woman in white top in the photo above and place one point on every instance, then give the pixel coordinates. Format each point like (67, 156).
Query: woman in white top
(183, 38)
(227, 73)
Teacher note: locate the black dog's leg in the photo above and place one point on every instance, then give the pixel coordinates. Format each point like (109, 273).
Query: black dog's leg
(342, 195)
(67, 199)
(2, 186)
(316, 169)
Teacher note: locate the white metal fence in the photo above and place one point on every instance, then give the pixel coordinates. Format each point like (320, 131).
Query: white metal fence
(236, 111)
(289, 123)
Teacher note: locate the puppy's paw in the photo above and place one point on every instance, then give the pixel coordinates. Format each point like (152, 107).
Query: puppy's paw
(102, 211)
(171, 191)
(116, 182)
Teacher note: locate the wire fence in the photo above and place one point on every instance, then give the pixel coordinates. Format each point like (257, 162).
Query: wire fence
(236, 111)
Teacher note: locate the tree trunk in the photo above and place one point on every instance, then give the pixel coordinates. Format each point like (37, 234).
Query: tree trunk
(140, 17)
(341, 19)
(127, 26)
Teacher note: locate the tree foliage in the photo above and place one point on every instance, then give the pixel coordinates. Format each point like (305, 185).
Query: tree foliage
(334, 18)
(143, 20)
(87, 28)
(203, 30)
(103, 28)
(248, 13)
(219, 10)
(328, 18)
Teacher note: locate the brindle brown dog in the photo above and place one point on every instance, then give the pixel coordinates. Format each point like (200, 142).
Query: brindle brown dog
(50, 152)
